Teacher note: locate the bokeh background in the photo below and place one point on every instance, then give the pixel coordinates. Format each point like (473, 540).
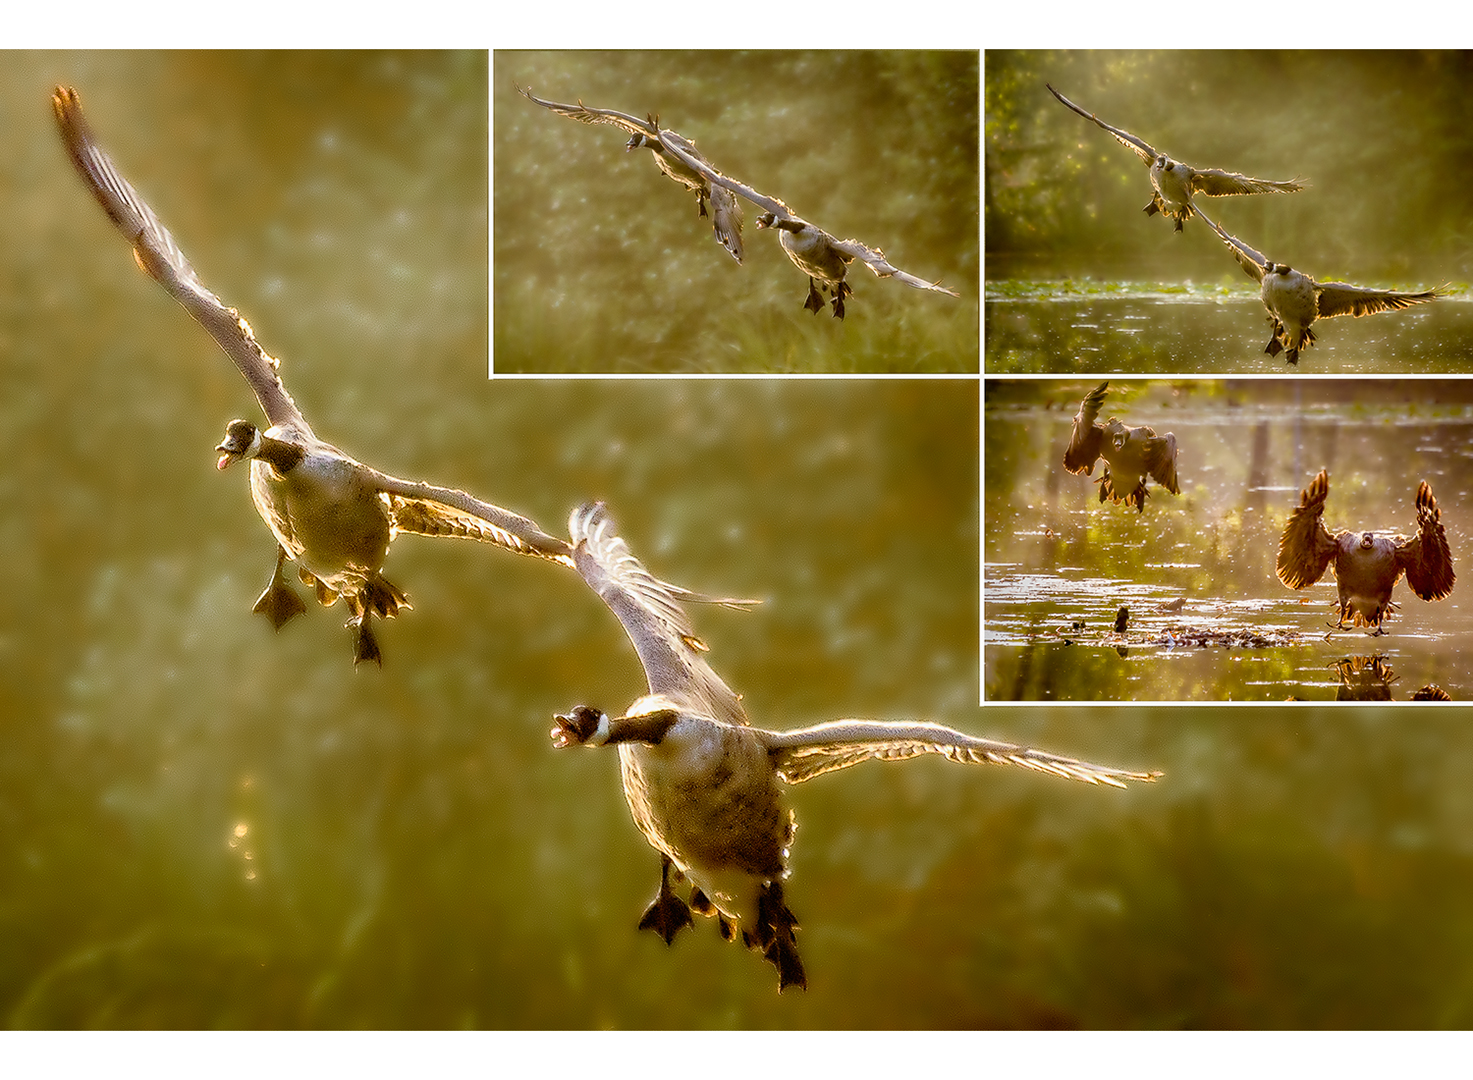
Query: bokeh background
(1079, 279)
(602, 263)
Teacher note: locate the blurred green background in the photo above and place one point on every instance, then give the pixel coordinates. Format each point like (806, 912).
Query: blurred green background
(602, 264)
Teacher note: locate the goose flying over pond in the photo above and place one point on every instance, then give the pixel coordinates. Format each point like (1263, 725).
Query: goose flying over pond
(726, 212)
(820, 255)
(1295, 300)
(335, 516)
(703, 784)
(1367, 564)
(1131, 454)
(1175, 182)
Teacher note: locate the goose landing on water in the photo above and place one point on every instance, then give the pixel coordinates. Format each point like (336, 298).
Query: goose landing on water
(1131, 454)
(333, 515)
(703, 784)
(1295, 300)
(1175, 182)
(1367, 565)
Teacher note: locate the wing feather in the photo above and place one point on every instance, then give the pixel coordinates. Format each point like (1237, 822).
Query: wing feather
(160, 258)
(875, 259)
(1306, 548)
(1142, 149)
(650, 612)
(586, 115)
(1084, 443)
(1338, 298)
(1426, 558)
(808, 752)
(1222, 182)
(1253, 263)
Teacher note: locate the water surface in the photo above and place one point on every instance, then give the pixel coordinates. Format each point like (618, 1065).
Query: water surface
(1209, 619)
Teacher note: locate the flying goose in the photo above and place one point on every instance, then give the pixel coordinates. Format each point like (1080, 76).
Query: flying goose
(726, 212)
(824, 258)
(335, 516)
(1295, 300)
(1367, 565)
(1131, 454)
(1175, 182)
(703, 784)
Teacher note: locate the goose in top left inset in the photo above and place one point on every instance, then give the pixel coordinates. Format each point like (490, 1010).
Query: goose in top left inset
(331, 514)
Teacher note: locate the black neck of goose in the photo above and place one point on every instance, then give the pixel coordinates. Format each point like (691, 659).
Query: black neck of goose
(789, 224)
(281, 456)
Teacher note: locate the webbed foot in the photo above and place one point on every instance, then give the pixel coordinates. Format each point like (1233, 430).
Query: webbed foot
(814, 303)
(279, 603)
(668, 914)
(774, 936)
(365, 644)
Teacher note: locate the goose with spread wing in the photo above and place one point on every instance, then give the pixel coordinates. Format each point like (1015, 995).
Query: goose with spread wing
(820, 255)
(726, 212)
(1131, 453)
(331, 514)
(703, 785)
(1176, 182)
(1367, 564)
(1295, 300)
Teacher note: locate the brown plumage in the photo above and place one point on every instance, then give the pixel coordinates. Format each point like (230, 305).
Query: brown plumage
(1131, 454)
(1367, 565)
(703, 784)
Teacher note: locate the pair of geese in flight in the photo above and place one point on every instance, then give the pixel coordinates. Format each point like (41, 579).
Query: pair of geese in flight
(1367, 564)
(1295, 301)
(819, 254)
(702, 783)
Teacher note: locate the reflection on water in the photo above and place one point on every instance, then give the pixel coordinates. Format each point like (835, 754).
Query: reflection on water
(603, 264)
(1209, 619)
(1060, 327)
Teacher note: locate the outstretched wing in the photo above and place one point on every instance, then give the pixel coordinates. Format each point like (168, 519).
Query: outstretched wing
(1338, 298)
(430, 510)
(875, 259)
(684, 152)
(651, 615)
(1253, 263)
(1160, 461)
(1142, 148)
(726, 218)
(1306, 548)
(160, 258)
(1222, 182)
(1084, 443)
(812, 751)
(1425, 557)
(584, 115)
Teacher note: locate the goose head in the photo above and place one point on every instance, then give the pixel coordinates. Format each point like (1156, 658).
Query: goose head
(242, 441)
(637, 141)
(1164, 163)
(769, 220)
(1282, 269)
